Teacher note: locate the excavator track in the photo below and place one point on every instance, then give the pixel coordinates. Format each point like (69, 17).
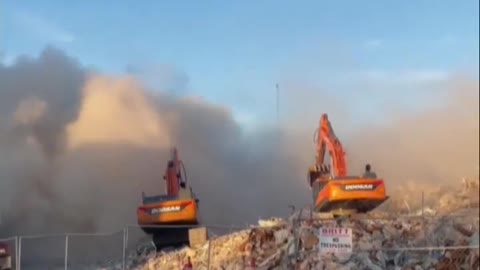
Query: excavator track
(350, 206)
(170, 237)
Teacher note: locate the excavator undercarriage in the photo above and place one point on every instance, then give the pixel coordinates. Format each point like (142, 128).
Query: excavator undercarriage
(175, 236)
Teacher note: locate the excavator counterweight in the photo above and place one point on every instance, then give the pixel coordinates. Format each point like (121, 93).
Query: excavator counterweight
(334, 191)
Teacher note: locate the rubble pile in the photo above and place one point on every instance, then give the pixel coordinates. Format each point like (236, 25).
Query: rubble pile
(378, 244)
(438, 237)
(223, 249)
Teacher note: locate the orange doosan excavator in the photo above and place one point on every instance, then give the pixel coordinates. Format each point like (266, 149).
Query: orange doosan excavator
(334, 191)
(170, 218)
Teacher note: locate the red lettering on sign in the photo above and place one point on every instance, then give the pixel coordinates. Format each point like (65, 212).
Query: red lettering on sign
(334, 231)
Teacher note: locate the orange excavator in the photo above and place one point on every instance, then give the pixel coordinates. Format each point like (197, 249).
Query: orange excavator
(169, 218)
(334, 191)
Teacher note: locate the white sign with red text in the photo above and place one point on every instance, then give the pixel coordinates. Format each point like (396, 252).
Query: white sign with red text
(335, 240)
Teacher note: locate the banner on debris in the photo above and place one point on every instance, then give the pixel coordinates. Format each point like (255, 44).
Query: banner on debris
(335, 240)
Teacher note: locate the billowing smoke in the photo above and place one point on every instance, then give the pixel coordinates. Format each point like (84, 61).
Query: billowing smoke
(78, 148)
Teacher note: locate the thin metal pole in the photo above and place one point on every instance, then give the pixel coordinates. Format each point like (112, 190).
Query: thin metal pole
(66, 252)
(19, 253)
(209, 251)
(423, 218)
(126, 237)
(16, 252)
(297, 232)
(423, 203)
(124, 247)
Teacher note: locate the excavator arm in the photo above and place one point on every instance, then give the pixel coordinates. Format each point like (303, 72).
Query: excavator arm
(326, 139)
(173, 174)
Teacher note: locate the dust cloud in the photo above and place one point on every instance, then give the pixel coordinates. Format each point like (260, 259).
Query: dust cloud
(427, 151)
(78, 148)
(438, 145)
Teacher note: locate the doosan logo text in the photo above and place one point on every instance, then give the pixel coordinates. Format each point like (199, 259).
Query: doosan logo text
(359, 187)
(165, 209)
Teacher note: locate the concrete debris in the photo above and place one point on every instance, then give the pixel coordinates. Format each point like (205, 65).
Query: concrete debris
(432, 238)
(374, 248)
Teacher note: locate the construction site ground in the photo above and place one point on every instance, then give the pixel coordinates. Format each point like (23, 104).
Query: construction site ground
(442, 235)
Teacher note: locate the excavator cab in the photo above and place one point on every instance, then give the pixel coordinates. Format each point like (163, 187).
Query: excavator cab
(335, 191)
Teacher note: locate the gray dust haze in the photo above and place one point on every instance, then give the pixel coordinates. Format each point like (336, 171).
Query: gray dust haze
(78, 148)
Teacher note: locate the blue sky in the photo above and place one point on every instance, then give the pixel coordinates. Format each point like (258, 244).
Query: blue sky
(234, 52)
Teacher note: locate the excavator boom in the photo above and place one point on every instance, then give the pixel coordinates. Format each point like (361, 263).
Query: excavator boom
(326, 139)
(173, 175)
(333, 189)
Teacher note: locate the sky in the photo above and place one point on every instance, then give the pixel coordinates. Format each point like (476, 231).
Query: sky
(235, 52)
